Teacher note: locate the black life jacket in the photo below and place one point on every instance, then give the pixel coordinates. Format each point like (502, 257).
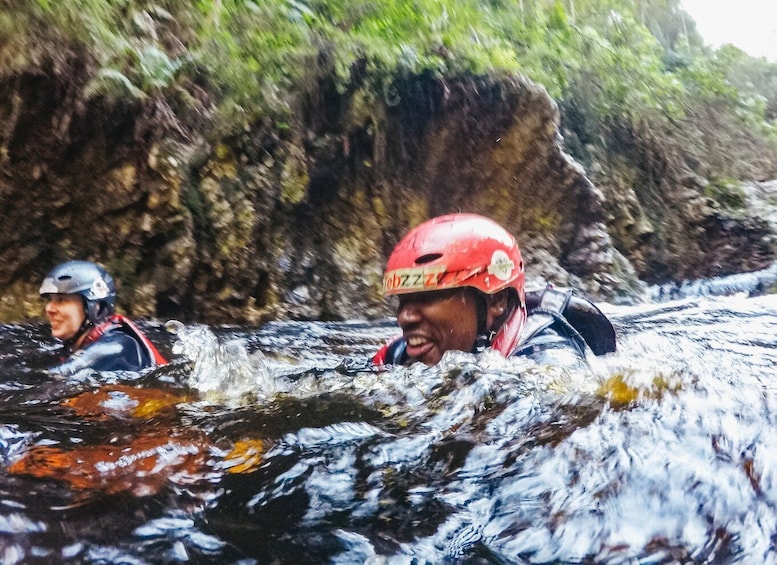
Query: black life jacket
(569, 315)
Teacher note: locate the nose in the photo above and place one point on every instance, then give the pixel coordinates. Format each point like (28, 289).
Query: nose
(50, 307)
(408, 311)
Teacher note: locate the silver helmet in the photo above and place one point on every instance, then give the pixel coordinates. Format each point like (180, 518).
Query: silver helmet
(87, 279)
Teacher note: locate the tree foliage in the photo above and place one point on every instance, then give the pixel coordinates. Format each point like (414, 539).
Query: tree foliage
(613, 65)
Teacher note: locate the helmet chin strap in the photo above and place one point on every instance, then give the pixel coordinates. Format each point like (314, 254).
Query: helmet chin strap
(483, 341)
(86, 325)
(484, 335)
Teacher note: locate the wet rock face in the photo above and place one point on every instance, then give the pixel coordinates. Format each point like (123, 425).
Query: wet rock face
(74, 183)
(678, 228)
(297, 224)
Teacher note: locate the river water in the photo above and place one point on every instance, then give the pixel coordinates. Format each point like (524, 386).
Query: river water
(280, 444)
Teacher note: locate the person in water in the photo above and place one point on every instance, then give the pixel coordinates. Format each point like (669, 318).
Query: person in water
(81, 310)
(459, 280)
(141, 461)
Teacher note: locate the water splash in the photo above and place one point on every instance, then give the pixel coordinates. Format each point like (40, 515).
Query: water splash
(665, 455)
(748, 284)
(223, 372)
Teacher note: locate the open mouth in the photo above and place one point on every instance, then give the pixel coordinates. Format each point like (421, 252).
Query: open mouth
(418, 347)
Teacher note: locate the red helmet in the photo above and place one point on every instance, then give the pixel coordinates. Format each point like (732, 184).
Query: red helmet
(461, 250)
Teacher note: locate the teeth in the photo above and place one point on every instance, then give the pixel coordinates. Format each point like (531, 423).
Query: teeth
(415, 341)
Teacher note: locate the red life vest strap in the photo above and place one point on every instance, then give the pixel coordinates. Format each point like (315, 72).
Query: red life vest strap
(380, 357)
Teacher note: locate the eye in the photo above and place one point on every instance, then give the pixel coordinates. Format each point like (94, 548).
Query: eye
(414, 299)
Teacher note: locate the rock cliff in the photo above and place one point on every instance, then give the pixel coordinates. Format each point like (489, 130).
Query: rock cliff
(296, 222)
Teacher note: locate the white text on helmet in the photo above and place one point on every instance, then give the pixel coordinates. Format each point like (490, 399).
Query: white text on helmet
(426, 278)
(501, 265)
(419, 278)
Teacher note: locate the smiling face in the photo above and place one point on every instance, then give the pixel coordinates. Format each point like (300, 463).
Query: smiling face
(66, 314)
(435, 322)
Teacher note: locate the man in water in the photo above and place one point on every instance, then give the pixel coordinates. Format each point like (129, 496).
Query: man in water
(81, 309)
(459, 280)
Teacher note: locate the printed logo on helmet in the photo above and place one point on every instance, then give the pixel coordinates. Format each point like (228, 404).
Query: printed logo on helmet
(501, 265)
(99, 289)
(415, 279)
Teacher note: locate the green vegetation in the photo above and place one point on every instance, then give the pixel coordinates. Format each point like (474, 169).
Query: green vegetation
(728, 193)
(621, 70)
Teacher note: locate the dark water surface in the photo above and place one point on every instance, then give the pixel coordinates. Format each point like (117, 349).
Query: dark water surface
(280, 445)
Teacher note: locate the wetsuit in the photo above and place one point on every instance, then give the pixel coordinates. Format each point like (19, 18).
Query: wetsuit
(115, 345)
(561, 329)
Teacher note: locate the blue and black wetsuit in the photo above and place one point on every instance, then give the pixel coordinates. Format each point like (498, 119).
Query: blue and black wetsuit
(115, 345)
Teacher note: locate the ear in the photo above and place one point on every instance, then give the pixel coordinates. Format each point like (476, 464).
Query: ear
(496, 310)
